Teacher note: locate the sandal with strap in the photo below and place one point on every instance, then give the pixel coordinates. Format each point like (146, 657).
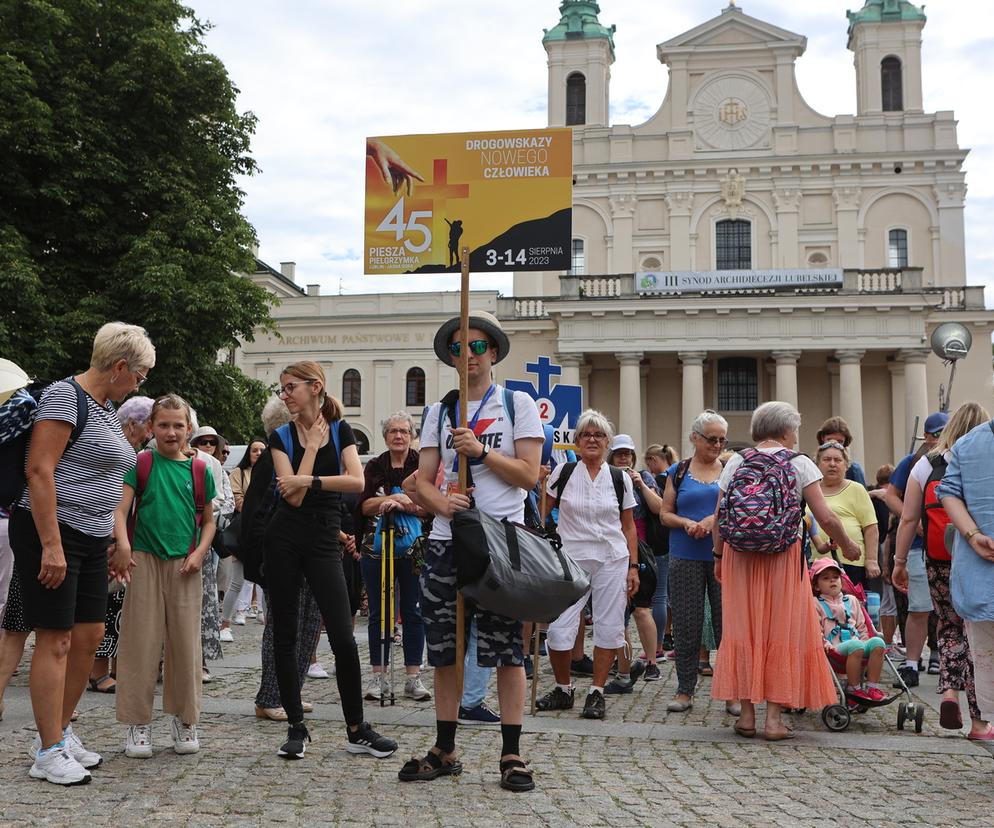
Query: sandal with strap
(95, 684)
(433, 765)
(516, 776)
(704, 668)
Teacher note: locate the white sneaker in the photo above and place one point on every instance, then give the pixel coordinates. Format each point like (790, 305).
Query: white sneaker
(378, 687)
(252, 612)
(73, 746)
(317, 671)
(139, 742)
(56, 765)
(226, 635)
(415, 689)
(184, 737)
(239, 618)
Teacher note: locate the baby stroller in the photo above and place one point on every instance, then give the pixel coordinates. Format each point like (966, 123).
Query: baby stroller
(837, 717)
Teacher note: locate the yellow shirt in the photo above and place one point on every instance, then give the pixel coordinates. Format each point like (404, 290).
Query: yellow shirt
(854, 508)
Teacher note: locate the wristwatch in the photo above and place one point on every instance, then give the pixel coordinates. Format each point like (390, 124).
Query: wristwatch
(315, 484)
(974, 531)
(633, 565)
(485, 451)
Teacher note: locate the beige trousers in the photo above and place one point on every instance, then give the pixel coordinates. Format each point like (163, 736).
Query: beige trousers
(161, 609)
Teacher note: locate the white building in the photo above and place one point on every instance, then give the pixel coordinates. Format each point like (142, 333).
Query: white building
(733, 172)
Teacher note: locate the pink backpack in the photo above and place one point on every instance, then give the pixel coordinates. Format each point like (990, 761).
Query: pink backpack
(761, 511)
(199, 472)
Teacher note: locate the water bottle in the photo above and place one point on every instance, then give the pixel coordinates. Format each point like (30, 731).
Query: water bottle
(873, 608)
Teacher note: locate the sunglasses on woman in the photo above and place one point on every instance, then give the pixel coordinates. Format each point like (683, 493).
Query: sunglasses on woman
(206, 441)
(712, 441)
(476, 346)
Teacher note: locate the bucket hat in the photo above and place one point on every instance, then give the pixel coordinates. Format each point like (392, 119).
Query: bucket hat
(482, 321)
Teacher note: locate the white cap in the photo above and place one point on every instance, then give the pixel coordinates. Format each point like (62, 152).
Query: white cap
(623, 441)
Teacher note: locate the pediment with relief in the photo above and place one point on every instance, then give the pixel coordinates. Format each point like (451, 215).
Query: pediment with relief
(733, 28)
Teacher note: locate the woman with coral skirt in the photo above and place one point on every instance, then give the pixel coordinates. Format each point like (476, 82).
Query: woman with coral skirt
(771, 648)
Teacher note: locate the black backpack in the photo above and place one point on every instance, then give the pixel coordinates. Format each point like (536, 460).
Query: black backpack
(14, 449)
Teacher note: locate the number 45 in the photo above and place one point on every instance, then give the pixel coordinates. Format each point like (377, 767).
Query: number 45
(394, 221)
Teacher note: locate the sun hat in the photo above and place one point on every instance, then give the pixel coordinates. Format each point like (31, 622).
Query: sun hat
(623, 441)
(936, 422)
(482, 321)
(12, 378)
(204, 431)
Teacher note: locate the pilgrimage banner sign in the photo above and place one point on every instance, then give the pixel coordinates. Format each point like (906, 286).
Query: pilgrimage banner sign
(506, 195)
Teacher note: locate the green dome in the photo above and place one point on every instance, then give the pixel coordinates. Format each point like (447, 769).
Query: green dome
(885, 11)
(579, 22)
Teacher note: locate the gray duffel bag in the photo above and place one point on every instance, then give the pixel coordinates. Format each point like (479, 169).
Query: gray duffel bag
(508, 569)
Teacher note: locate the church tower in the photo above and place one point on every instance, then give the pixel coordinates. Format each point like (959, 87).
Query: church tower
(581, 52)
(886, 37)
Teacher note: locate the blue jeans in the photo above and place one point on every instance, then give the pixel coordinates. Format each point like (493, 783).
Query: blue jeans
(410, 610)
(661, 597)
(476, 679)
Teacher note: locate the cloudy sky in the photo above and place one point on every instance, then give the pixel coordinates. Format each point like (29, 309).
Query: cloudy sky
(321, 75)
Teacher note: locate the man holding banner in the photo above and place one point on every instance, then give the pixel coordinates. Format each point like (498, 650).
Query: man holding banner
(502, 445)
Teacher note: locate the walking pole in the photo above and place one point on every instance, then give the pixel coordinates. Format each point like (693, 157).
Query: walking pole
(384, 647)
(391, 533)
(536, 627)
(464, 464)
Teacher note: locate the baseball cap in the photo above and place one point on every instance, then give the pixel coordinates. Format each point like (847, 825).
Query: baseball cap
(936, 422)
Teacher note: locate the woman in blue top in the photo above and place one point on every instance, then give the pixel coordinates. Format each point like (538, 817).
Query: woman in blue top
(688, 510)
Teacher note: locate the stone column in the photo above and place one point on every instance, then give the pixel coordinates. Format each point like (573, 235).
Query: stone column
(788, 204)
(382, 402)
(851, 398)
(630, 394)
(644, 414)
(915, 391)
(570, 364)
(680, 203)
(787, 375)
(622, 216)
(693, 394)
(847, 201)
(897, 408)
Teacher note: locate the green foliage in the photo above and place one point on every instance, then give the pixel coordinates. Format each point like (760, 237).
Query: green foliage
(121, 145)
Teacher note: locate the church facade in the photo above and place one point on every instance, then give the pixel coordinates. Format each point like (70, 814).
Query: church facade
(735, 248)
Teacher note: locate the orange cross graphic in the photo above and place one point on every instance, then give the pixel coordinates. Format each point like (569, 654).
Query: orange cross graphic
(440, 191)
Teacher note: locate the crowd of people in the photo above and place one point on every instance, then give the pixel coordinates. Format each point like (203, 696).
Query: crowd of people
(132, 555)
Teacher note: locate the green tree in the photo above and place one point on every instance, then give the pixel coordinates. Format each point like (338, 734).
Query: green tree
(120, 145)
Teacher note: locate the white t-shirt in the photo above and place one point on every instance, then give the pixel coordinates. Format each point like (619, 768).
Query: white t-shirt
(589, 520)
(492, 494)
(922, 470)
(806, 471)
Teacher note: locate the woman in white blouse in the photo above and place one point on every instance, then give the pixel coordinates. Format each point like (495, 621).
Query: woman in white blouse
(598, 532)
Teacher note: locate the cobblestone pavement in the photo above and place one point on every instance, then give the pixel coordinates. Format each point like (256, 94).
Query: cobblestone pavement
(641, 766)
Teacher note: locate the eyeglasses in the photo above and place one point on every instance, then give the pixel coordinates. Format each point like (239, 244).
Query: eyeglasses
(142, 378)
(935, 434)
(287, 390)
(205, 441)
(225, 453)
(591, 435)
(392, 431)
(712, 441)
(476, 346)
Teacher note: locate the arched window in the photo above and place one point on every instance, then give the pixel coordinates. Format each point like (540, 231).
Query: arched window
(891, 84)
(733, 245)
(578, 259)
(576, 99)
(351, 389)
(415, 386)
(897, 248)
(738, 384)
(361, 441)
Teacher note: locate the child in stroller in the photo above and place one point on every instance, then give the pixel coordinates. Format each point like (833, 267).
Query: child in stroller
(847, 636)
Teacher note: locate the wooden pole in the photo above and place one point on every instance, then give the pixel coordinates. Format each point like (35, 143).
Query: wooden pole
(463, 365)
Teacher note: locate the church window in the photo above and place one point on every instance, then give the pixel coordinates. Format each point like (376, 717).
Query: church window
(576, 99)
(578, 260)
(733, 245)
(897, 248)
(415, 386)
(891, 84)
(351, 389)
(738, 384)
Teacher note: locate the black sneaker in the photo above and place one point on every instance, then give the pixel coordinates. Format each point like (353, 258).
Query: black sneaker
(652, 672)
(367, 740)
(909, 675)
(296, 738)
(619, 687)
(636, 670)
(556, 699)
(593, 707)
(481, 714)
(582, 667)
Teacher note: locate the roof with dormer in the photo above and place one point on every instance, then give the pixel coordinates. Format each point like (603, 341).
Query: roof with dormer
(579, 22)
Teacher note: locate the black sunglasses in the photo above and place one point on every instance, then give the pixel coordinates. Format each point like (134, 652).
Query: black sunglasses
(476, 346)
(206, 441)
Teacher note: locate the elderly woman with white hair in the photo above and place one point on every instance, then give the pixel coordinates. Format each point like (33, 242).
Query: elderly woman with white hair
(597, 526)
(689, 502)
(383, 492)
(771, 647)
(61, 529)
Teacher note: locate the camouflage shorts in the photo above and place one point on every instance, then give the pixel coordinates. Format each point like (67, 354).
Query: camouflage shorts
(498, 638)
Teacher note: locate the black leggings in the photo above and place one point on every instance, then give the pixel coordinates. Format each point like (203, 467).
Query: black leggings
(306, 545)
